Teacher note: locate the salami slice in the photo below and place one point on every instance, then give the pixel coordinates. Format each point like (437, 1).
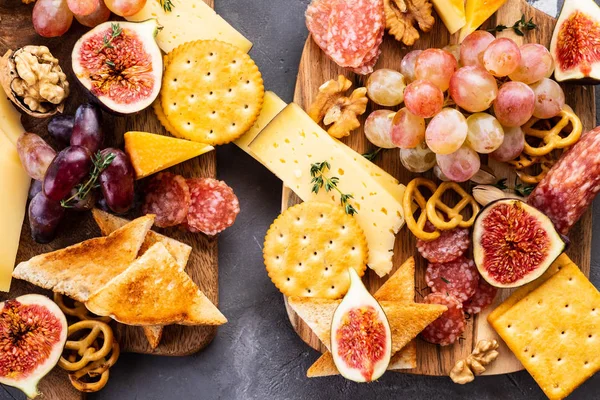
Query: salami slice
(450, 325)
(571, 184)
(317, 21)
(213, 208)
(448, 247)
(458, 278)
(483, 297)
(371, 58)
(168, 197)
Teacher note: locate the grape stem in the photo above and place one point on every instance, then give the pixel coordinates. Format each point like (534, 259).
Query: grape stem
(319, 180)
(83, 190)
(107, 41)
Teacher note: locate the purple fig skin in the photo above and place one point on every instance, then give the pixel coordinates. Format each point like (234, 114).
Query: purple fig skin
(69, 168)
(87, 128)
(117, 182)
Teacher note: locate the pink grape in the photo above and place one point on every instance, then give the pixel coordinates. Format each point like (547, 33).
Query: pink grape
(83, 7)
(446, 132)
(420, 159)
(408, 129)
(407, 65)
(472, 48)
(378, 128)
(502, 57)
(125, 8)
(98, 16)
(512, 146)
(386, 87)
(485, 134)
(423, 98)
(51, 18)
(549, 98)
(473, 88)
(437, 66)
(515, 104)
(536, 63)
(461, 165)
(453, 49)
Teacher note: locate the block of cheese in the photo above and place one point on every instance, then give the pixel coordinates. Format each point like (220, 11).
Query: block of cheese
(14, 184)
(10, 119)
(293, 141)
(189, 20)
(272, 106)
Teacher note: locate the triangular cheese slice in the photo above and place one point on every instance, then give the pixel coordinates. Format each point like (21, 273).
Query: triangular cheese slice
(150, 153)
(82, 269)
(155, 291)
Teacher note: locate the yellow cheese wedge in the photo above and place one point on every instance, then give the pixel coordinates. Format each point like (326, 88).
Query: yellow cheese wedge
(187, 21)
(477, 12)
(452, 13)
(272, 106)
(150, 153)
(10, 119)
(293, 141)
(14, 187)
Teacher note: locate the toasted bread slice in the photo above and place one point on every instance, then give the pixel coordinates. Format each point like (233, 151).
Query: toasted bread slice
(155, 291)
(80, 270)
(153, 334)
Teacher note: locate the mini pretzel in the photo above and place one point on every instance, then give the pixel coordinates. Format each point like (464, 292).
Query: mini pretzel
(551, 139)
(545, 163)
(523, 161)
(84, 346)
(78, 310)
(417, 227)
(95, 369)
(435, 203)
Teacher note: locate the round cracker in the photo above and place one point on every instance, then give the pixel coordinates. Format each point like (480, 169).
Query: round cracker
(212, 92)
(309, 248)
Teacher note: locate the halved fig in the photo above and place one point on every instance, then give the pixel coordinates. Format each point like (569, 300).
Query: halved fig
(33, 332)
(575, 41)
(514, 243)
(361, 339)
(120, 64)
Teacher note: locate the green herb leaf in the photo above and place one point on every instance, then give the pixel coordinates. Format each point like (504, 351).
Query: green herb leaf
(501, 184)
(110, 63)
(107, 41)
(518, 27)
(371, 156)
(100, 163)
(524, 190)
(167, 5)
(319, 180)
(446, 281)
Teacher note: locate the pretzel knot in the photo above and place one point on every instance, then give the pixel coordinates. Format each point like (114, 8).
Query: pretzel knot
(78, 310)
(435, 205)
(545, 163)
(84, 347)
(552, 138)
(412, 193)
(523, 161)
(94, 376)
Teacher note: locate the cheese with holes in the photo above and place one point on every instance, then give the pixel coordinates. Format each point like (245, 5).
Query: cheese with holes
(10, 119)
(14, 184)
(293, 141)
(187, 21)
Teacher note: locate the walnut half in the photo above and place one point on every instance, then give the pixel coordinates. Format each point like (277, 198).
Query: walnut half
(333, 108)
(401, 16)
(464, 371)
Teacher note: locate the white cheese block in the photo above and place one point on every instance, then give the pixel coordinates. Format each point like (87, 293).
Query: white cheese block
(10, 119)
(14, 187)
(187, 21)
(293, 141)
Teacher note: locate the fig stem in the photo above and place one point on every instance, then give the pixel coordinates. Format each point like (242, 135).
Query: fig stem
(100, 164)
(319, 180)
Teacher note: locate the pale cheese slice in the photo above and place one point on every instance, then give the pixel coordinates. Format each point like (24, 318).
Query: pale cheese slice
(293, 141)
(187, 21)
(10, 119)
(14, 187)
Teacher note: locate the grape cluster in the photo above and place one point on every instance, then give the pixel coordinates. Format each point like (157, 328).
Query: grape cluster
(53, 18)
(462, 101)
(70, 179)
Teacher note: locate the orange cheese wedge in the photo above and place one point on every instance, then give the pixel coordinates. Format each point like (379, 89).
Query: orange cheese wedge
(150, 153)
(477, 12)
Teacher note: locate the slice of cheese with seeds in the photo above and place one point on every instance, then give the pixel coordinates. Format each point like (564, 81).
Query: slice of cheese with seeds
(188, 21)
(293, 141)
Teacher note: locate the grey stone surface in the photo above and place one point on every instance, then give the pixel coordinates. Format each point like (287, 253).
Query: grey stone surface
(257, 355)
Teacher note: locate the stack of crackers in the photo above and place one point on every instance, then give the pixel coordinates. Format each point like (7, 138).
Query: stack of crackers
(552, 325)
(134, 275)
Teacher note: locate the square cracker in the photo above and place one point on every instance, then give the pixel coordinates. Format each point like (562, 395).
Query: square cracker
(555, 331)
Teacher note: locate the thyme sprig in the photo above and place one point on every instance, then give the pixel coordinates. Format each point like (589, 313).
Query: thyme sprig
(167, 5)
(519, 188)
(371, 156)
(100, 163)
(319, 180)
(114, 33)
(518, 27)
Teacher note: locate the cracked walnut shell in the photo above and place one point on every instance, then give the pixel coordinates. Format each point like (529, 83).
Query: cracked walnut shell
(401, 16)
(33, 79)
(336, 110)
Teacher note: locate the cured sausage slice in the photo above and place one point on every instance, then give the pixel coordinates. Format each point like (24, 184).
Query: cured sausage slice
(213, 208)
(483, 297)
(168, 197)
(450, 325)
(458, 278)
(447, 247)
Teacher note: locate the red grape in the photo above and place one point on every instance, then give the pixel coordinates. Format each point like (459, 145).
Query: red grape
(502, 57)
(407, 65)
(117, 182)
(549, 98)
(423, 98)
(536, 63)
(98, 16)
(378, 128)
(485, 133)
(125, 8)
(34, 189)
(473, 88)
(51, 18)
(87, 128)
(69, 167)
(512, 146)
(61, 127)
(35, 154)
(44, 217)
(83, 7)
(437, 66)
(472, 48)
(515, 104)
(408, 129)
(446, 132)
(461, 165)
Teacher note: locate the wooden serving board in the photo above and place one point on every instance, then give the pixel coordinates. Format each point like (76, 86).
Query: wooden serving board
(316, 68)
(16, 30)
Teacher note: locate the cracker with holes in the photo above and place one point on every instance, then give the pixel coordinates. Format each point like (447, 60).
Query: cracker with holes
(211, 92)
(309, 248)
(554, 331)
